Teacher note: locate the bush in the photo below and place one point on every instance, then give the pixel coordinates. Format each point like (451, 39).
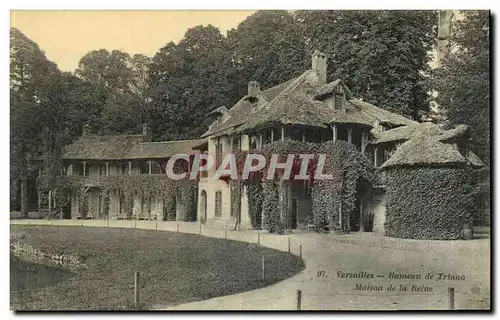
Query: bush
(428, 203)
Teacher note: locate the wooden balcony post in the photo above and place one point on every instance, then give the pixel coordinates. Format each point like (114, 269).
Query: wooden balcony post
(149, 164)
(107, 168)
(334, 130)
(349, 135)
(130, 167)
(282, 133)
(84, 168)
(303, 137)
(272, 135)
(375, 157)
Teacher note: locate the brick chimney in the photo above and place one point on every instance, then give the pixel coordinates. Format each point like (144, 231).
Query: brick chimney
(145, 129)
(319, 66)
(253, 89)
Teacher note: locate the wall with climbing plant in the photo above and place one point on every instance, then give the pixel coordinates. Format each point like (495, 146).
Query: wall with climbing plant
(268, 199)
(126, 186)
(428, 203)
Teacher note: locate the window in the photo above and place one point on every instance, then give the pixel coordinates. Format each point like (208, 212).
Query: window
(218, 152)
(339, 100)
(218, 203)
(236, 144)
(388, 153)
(203, 162)
(463, 148)
(102, 169)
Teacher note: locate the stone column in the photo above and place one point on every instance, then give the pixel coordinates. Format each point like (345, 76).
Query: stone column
(334, 130)
(349, 135)
(364, 140)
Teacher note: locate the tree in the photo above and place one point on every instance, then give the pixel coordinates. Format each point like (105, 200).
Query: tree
(188, 80)
(107, 69)
(268, 47)
(381, 55)
(139, 84)
(30, 71)
(463, 79)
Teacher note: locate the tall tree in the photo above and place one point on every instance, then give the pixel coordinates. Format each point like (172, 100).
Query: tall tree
(123, 82)
(189, 80)
(30, 71)
(268, 47)
(140, 86)
(381, 55)
(463, 79)
(107, 69)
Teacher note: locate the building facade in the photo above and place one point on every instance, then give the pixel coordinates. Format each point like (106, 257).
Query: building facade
(310, 109)
(96, 163)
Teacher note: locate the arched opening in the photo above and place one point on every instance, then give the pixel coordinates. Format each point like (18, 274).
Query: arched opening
(203, 206)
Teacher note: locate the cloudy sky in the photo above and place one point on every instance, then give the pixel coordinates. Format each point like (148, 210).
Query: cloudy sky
(66, 36)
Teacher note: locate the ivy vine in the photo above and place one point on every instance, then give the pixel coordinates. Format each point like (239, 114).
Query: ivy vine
(333, 200)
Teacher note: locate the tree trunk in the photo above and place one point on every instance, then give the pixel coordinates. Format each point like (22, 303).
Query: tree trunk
(24, 196)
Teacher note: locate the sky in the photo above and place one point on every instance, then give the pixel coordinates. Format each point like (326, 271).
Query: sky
(66, 36)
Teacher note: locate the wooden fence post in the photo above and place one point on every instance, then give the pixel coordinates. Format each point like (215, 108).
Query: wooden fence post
(263, 275)
(288, 244)
(299, 300)
(136, 289)
(199, 230)
(258, 238)
(177, 227)
(300, 251)
(225, 234)
(156, 225)
(451, 298)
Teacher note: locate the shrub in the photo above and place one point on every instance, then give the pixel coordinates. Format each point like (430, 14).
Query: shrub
(428, 203)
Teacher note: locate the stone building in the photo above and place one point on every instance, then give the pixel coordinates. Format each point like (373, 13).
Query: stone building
(94, 161)
(308, 109)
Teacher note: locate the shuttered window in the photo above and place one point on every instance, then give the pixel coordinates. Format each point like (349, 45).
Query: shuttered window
(218, 203)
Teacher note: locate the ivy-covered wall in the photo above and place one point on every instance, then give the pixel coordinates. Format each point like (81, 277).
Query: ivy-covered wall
(127, 187)
(269, 199)
(428, 203)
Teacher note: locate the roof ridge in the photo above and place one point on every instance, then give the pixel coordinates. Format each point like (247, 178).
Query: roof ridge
(112, 135)
(171, 141)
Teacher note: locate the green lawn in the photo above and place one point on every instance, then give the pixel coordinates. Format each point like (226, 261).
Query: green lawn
(175, 268)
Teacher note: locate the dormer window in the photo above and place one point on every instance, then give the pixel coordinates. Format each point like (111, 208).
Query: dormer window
(339, 101)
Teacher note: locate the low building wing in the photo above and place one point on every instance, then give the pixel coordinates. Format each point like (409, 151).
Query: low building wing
(162, 149)
(95, 147)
